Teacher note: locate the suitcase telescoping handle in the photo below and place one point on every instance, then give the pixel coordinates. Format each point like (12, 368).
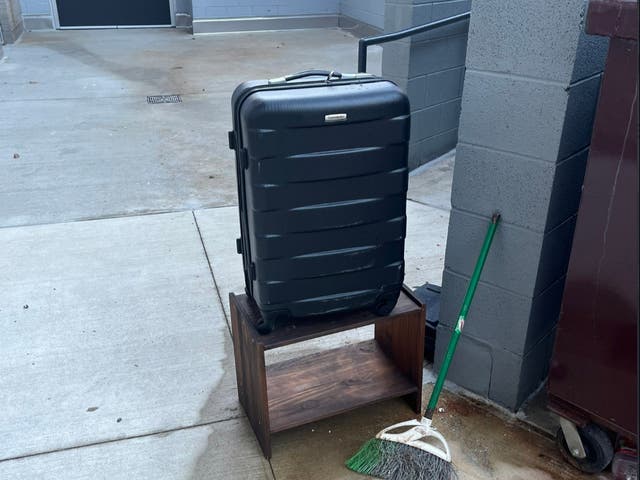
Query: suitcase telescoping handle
(329, 74)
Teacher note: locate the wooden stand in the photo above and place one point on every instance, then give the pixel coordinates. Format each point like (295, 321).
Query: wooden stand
(299, 391)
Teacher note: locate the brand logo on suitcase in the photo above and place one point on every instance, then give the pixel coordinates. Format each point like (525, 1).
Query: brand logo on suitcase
(335, 117)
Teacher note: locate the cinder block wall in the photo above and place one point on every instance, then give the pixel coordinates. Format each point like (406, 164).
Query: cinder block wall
(35, 7)
(184, 13)
(10, 20)
(213, 16)
(430, 68)
(530, 91)
(262, 8)
(370, 12)
(37, 14)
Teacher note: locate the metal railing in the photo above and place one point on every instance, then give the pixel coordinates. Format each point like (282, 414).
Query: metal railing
(390, 37)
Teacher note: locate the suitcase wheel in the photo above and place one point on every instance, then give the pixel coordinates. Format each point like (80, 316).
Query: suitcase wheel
(264, 327)
(270, 320)
(385, 304)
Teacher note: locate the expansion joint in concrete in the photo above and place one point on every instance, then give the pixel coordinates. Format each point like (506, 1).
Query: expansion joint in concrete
(427, 204)
(213, 277)
(114, 440)
(124, 215)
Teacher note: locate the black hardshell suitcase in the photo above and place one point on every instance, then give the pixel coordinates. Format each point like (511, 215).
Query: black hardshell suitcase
(321, 162)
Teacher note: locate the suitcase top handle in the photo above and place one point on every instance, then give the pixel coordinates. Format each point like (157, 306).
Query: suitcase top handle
(329, 74)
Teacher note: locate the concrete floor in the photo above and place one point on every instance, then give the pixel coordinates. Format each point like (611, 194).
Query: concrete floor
(90, 146)
(115, 359)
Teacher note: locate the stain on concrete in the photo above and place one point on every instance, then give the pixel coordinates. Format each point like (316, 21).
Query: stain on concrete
(79, 53)
(206, 464)
(486, 444)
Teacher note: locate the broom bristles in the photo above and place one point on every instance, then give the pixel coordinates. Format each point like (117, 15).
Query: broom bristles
(392, 460)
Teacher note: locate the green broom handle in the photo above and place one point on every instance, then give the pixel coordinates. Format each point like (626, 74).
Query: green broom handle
(471, 290)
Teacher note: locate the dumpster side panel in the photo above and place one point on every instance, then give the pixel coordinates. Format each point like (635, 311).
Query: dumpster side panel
(594, 366)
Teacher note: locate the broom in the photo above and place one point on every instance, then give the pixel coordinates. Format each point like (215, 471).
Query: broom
(420, 452)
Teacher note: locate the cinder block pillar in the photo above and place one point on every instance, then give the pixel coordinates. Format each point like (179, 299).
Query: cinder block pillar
(530, 91)
(10, 20)
(430, 68)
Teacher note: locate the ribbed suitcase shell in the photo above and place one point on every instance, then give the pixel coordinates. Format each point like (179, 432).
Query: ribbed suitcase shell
(322, 182)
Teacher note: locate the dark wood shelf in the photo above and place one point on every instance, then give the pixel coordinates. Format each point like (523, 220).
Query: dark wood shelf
(320, 325)
(309, 388)
(324, 384)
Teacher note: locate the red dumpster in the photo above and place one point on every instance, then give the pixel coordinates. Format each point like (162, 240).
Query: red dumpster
(593, 374)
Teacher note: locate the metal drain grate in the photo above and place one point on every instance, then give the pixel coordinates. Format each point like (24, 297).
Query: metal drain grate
(164, 99)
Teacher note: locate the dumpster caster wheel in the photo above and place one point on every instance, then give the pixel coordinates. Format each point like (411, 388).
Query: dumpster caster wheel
(597, 447)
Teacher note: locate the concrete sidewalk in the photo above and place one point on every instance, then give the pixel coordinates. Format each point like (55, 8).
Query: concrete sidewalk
(118, 227)
(115, 329)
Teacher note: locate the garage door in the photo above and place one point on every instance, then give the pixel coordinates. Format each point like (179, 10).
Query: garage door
(113, 13)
